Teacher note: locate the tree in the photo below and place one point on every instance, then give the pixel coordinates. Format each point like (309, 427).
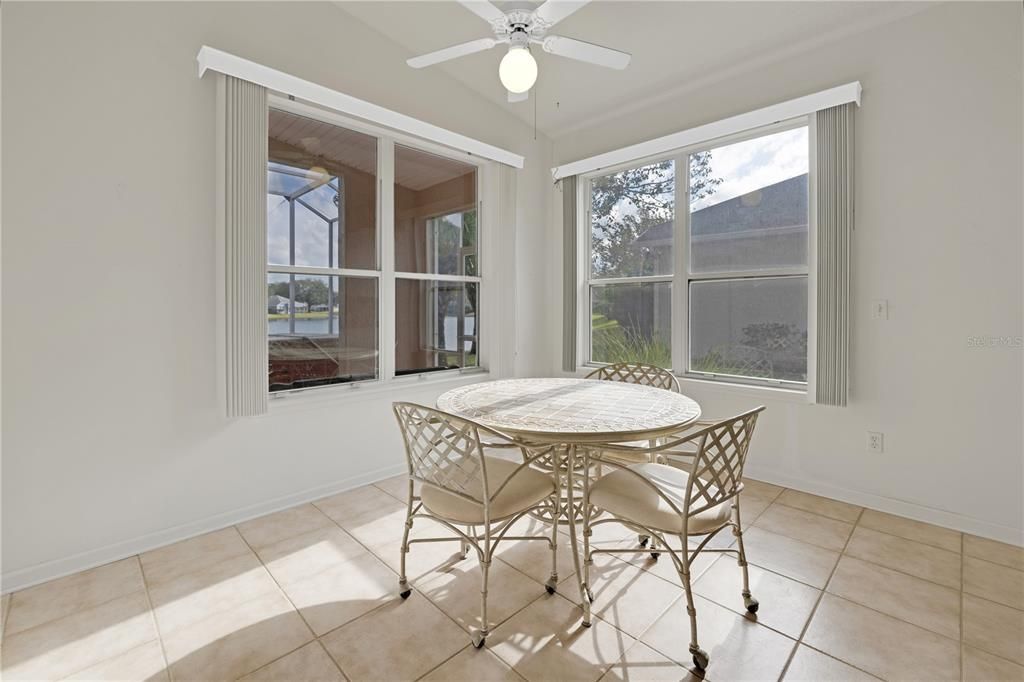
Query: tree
(627, 204)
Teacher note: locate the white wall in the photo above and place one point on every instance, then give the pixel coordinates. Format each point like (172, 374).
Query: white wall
(112, 439)
(939, 234)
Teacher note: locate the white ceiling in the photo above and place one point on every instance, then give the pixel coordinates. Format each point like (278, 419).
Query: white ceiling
(673, 44)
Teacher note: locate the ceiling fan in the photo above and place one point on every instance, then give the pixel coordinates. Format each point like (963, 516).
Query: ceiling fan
(519, 28)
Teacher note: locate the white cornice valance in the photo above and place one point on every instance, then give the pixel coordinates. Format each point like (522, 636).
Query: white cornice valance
(801, 106)
(212, 59)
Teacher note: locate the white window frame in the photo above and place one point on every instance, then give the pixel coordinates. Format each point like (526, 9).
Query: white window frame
(681, 277)
(385, 273)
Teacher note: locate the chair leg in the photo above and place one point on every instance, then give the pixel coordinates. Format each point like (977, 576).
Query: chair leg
(403, 583)
(552, 584)
(749, 602)
(480, 635)
(700, 657)
(463, 545)
(588, 560)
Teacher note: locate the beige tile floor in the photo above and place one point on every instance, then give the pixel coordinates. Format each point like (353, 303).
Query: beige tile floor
(310, 594)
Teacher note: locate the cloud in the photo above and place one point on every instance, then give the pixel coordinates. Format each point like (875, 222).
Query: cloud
(753, 164)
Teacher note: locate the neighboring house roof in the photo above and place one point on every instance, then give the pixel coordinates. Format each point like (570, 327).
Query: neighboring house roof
(777, 206)
(276, 301)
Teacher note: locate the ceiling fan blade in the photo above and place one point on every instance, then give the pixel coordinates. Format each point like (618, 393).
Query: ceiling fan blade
(452, 52)
(514, 97)
(553, 11)
(586, 52)
(484, 10)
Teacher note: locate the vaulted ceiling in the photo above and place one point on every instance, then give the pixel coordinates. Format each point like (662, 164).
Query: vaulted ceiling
(674, 45)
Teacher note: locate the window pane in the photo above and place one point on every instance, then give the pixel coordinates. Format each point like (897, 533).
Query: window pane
(631, 214)
(748, 207)
(750, 327)
(435, 214)
(321, 194)
(321, 330)
(435, 325)
(632, 323)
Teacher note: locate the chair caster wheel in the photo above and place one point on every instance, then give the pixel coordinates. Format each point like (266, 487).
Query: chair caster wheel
(551, 586)
(655, 555)
(700, 659)
(479, 638)
(644, 539)
(404, 594)
(751, 604)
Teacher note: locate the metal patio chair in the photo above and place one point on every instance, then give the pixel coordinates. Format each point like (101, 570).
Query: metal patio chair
(637, 373)
(476, 496)
(645, 375)
(660, 500)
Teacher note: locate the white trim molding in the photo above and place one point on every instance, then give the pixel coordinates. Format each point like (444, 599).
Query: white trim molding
(210, 58)
(801, 106)
(889, 505)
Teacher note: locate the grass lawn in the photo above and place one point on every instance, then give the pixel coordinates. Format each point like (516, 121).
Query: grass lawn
(320, 315)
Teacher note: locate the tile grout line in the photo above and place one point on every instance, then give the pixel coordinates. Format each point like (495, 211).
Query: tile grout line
(843, 552)
(448, 659)
(821, 595)
(285, 594)
(411, 586)
(72, 613)
(679, 598)
(836, 658)
(144, 591)
(438, 607)
(152, 614)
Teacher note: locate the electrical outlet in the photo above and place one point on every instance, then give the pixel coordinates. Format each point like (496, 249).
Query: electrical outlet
(876, 442)
(880, 309)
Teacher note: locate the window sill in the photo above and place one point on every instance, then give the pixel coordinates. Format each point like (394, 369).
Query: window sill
(395, 389)
(790, 395)
(761, 392)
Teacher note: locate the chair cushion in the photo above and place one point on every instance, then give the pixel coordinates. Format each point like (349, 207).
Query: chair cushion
(621, 493)
(527, 488)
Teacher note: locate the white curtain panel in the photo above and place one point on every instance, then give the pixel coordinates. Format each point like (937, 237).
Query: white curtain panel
(245, 246)
(834, 160)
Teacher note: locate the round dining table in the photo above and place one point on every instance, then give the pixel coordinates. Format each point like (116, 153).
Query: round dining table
(568, 414)
(571, 411)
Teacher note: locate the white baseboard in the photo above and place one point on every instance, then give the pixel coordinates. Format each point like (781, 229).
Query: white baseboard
(58, 568)
(40, 573)
(938, 517)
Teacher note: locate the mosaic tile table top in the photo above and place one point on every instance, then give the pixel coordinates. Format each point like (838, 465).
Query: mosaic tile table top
(576, 410)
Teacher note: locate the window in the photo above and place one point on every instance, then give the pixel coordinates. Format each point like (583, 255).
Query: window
(326, 275)
(721, 292)
(436, 265)
(631, 217)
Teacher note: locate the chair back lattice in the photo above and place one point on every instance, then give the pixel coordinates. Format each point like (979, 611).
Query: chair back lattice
(443, 450)
(717, 471)
(637, 373)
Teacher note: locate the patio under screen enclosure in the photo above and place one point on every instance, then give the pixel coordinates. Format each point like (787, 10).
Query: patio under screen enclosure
(323, 257)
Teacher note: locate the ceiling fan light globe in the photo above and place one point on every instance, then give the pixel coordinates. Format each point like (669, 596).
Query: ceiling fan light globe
(518, 70)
